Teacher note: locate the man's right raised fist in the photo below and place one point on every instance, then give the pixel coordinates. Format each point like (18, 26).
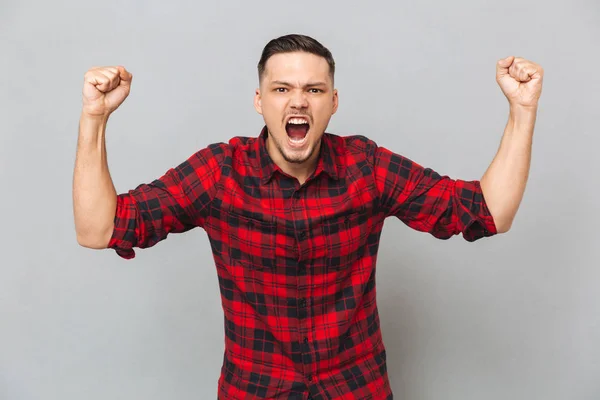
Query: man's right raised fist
(105, 89)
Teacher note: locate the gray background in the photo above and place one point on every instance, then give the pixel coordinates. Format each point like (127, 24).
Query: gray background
(516, 316)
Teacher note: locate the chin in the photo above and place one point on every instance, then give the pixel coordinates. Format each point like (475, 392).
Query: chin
(298, 157)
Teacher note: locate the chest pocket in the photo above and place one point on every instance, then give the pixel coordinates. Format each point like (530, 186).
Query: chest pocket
(346, 238)
(251, 241)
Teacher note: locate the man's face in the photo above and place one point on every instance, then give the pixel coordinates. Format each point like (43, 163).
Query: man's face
(296, 99)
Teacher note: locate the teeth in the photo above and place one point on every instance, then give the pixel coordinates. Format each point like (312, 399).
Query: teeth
(297, 121)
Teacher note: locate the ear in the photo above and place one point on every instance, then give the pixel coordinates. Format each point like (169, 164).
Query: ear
(258, 101)
(335, 101)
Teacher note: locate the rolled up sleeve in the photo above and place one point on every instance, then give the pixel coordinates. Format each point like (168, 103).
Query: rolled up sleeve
(428, 202)
(174, 203)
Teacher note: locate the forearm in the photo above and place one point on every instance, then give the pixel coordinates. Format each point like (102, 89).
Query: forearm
(94, 195)
(504, 182)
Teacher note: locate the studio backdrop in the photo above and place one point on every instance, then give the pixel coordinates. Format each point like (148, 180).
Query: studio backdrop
(515, 316)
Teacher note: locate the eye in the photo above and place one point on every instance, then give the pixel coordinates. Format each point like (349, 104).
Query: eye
(316, 90)
(281, 90)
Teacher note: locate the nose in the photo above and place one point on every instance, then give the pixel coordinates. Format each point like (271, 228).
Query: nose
(298, 99)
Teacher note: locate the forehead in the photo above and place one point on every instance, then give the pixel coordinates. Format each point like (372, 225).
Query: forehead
(296, 67)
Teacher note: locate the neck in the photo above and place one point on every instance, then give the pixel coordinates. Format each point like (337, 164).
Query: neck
(300, 171)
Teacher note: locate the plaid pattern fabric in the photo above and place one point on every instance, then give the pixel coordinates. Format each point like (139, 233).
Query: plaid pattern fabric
(296, 264)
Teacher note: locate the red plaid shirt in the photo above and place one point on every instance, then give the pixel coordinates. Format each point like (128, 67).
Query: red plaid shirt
(296, 263)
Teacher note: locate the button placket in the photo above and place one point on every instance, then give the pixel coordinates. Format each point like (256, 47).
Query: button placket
(302, 234)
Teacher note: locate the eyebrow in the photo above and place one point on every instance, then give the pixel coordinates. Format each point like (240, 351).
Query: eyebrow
(309, 84)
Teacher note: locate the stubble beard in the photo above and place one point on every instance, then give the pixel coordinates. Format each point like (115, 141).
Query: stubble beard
(294, 159)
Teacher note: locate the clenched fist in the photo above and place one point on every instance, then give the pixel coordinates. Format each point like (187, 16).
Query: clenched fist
(520, 81)
(105, 89)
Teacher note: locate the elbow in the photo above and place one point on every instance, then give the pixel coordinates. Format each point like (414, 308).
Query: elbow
(89, 243)
(503, 225)
(95, 241)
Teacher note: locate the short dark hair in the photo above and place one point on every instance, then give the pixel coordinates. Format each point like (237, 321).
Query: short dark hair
(292, 43)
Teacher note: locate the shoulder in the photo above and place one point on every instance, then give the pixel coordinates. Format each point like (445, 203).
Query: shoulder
(220, 154)
(212, 156)
(358, 147)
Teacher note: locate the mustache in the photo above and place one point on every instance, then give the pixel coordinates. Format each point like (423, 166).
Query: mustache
(299, 114)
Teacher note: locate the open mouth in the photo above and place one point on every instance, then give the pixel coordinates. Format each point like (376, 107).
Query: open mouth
(297, 129)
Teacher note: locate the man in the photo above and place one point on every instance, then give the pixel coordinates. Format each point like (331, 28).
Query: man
(294, 218)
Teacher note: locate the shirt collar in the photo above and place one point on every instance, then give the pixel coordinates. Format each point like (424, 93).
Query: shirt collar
(329, 160)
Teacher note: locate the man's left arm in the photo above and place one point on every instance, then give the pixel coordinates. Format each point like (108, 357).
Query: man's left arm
(429, 202)
(503, 184)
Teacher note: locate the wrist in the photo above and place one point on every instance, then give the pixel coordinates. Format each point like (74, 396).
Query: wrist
(519, 109)
(92, 128)
(94, 117)
(520, 114)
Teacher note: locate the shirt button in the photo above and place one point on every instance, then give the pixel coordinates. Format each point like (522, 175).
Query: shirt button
(305, 340)
(301, 268)
(302, 234)
(309, 377)
(302, 303)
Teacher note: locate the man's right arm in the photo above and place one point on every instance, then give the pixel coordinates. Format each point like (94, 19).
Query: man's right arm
(174, 203)
(94, 195)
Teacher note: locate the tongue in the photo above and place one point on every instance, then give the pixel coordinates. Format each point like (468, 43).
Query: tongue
(297, 131)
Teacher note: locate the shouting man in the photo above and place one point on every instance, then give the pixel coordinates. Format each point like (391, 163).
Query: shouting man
(294, 216)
